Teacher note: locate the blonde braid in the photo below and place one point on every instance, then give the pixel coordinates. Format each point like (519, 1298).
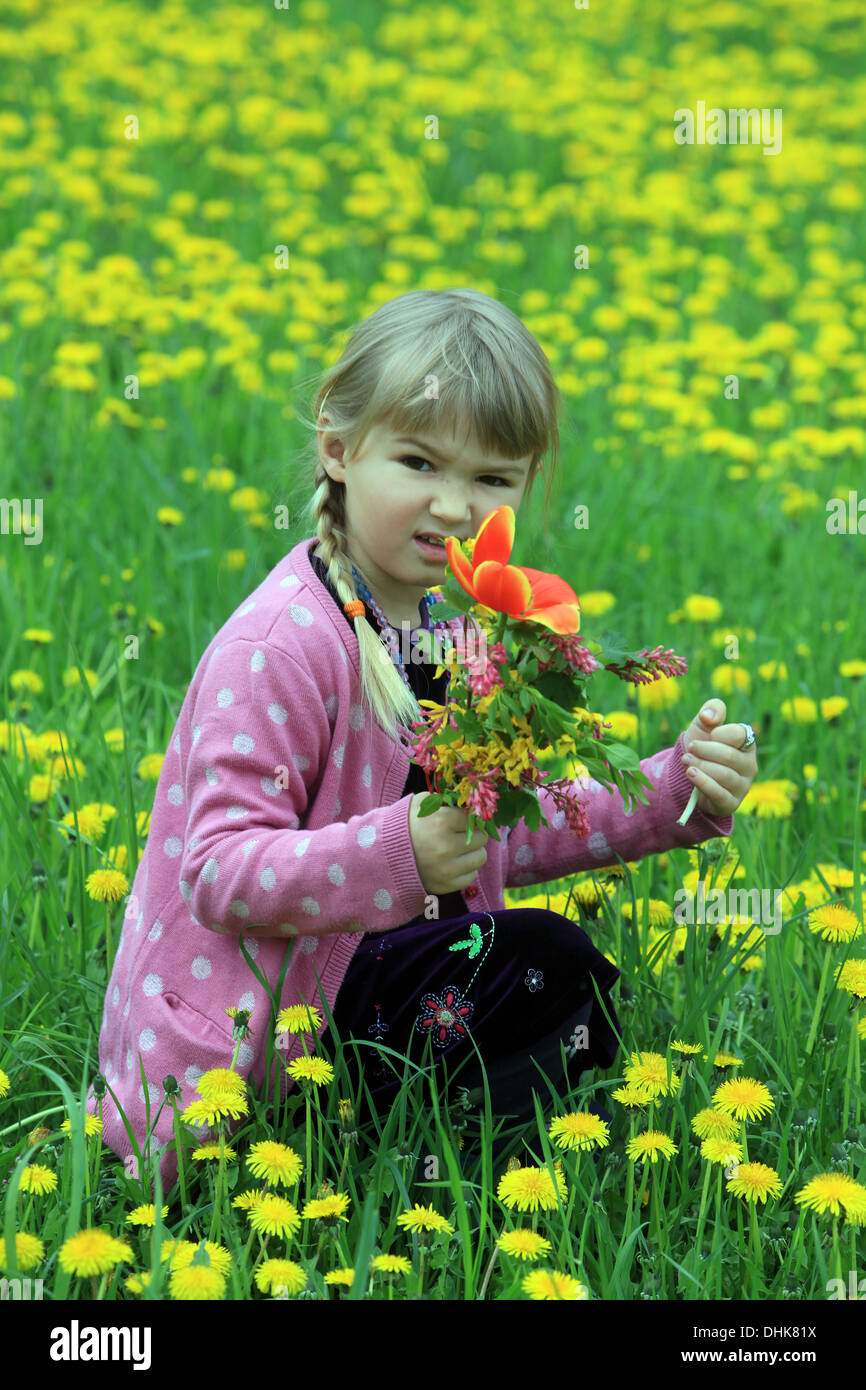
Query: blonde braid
(387, 697)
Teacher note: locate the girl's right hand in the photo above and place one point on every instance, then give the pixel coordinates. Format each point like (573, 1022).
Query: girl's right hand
(446, 864)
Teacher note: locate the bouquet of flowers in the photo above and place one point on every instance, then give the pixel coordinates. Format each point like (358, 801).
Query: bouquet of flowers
(518, 683)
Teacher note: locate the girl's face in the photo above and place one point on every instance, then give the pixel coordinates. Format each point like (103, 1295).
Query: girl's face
(398, 489)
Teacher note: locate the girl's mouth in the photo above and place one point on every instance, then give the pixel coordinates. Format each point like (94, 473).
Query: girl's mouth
(432, 550)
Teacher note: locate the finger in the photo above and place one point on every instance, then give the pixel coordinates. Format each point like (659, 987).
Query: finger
(721, 753)
(726, 778)
(734, 734)
(712, 713)
(713, 799)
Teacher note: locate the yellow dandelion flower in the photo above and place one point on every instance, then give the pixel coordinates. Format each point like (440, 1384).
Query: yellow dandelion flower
(197, 1282)
(523, 1244)
(221, 1105)
(721, 1150)
(852, 977)
(212, 1151)
(342, 1276)
(299, 1018)
(276, 1275)
(38, 1179)
(137, 1283)
(29, 1250)
(649, 1070)
(755, 1182)
(531, 1189)
(312, 1069)
(181, 1253)
(649, 1145)
(690, 1049)
(145, 1215)
(834, 923)
(548, 1284)
(274, 1216)
(93, 1251)
(727, 1059)
(106, 885)
(245, 1200)
(743, 1098)
(420, 1218)
(5, 1084)
(92, 1125)
(579, 1130)
(274, 1162)
(836, 1193)
(770, 800)
(391, 1264)
(331, 1208)
(218, 1080)
(633, 1097)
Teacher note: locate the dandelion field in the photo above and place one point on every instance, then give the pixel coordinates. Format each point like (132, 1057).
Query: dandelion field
(156, 351)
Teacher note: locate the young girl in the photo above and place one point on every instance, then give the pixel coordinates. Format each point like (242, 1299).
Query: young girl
(286, 811)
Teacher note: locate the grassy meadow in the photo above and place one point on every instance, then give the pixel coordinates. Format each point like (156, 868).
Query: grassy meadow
(157, 349)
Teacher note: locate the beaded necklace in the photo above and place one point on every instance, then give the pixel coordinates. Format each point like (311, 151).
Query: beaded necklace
(356, 609)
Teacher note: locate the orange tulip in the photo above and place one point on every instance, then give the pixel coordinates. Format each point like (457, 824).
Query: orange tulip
(528, 595)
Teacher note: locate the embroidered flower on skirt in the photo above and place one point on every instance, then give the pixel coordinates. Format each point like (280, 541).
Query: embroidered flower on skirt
(534, 980)
(445, 1018)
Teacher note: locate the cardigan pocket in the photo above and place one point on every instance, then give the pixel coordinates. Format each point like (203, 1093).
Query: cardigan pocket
(196, 1041)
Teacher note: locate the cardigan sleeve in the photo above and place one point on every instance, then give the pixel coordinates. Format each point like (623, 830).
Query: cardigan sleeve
(554, 851)
(259, 742)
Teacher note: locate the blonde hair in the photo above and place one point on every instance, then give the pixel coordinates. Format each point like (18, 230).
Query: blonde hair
(488, 371)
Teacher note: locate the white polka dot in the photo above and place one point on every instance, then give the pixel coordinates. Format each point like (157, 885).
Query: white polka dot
(301, 761)
(115, 995)
(129, 1059)
(153, 1091)
(175, 794)
(598, 845)
(277, 713)
(185, 890)
(252, 946)
(176, 744)
(343, 657)
(287, 929)
(289, 580)
(311, 906)
(246, 1055)
(248, 847)
(196, 733)
(147, 1040)
(156, 931)
(201, 968)
(152, 984)
(332, 704)
(301, 846)
(366, 836)
(357, 718)
(270, 786)
(210, 871)
(300, 615)
(595, 787)
(257, 661)
(268, 879)
(558, 820)
(173, 846)
(210, 777)
(657, 768)
(247, 608)
(382, 899)
(338, 806)
(366, 774)
(308, 945)
(138, 921)
(338, 754)
(239, 908)
(247, 1001)
(237, 812)
(193, 1075)
(243, 743)
(524, 855)
(225, 697)
(336, 873)
(196, 839)
(126, 1008)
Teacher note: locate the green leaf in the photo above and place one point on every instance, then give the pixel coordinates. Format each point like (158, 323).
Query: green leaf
(430, 804)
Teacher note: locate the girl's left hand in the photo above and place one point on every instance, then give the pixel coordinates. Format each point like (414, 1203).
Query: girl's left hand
(724, 771)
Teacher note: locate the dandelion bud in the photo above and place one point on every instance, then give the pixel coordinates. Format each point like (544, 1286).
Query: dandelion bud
(170, 1086)
(99, 1085)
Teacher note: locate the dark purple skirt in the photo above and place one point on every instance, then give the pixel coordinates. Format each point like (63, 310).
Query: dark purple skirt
(518, 981)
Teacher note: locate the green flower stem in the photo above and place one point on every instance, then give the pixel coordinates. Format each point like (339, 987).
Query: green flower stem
(34, 918)
(717, 1235)
(699, 1229)
(744, 1141)
(421, 1269)
(755, 1252)
(810, 1041)
(837, 1254)
(108, 940)
(487, 1273)
(181, 1170)
(28, 1120)
(218, 1196)
(309, 1130)
(852, 1069)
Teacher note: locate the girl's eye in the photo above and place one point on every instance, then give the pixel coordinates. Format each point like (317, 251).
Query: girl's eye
(413, 458)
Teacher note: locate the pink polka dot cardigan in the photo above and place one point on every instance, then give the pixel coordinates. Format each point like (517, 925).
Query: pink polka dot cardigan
(279, 816)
